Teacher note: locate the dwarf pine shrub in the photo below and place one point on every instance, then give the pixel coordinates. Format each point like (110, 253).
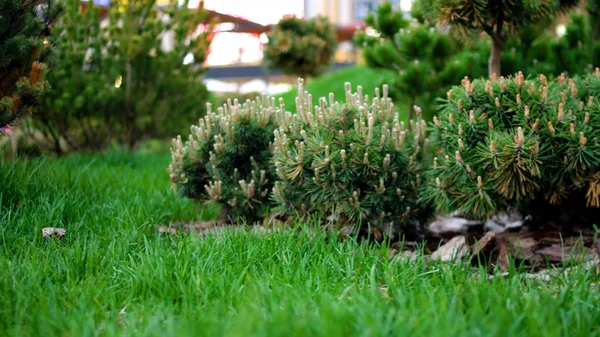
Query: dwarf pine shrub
(516, 143)
(226, 159)
(301, 47)
(356, 161)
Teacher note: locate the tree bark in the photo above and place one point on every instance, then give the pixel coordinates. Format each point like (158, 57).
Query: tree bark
(495, 57)
(411, 108)
(224, 216)
(14, 141)
(130, 114)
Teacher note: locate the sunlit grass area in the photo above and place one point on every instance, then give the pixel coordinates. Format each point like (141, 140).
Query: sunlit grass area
(113, 274)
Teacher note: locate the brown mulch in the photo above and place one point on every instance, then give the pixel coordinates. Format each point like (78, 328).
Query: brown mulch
(531, 251)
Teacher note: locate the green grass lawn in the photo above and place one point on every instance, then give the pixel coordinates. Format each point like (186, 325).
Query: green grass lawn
(334, 82)
(114, 275)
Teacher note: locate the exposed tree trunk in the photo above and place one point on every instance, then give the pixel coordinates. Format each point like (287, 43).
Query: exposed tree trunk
(224, 216)
(495, 57)
(14, 141)
(130, 114)
(411, 108)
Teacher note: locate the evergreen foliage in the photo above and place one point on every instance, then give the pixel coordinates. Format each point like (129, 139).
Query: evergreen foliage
(24, 24)
(301, 47)
(498, 19)
(426, 59)
(355, 161)
(418, 53)
(578, 50)
(122, 78)
(593, 10)
(536, 49)
(516, 143)
(227, 159)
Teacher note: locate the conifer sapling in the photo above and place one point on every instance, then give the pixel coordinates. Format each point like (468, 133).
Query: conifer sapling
(416, 52)
(497, 19)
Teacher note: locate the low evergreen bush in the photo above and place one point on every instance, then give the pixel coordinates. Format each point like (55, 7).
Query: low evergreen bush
(517, 143)
(226, 159)
(355, 161)
(301, 47)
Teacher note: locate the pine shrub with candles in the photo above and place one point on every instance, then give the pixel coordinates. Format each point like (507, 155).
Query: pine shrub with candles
(301, 47)
(24, 25)
(523, 144)
(226, 159)
(355, 161)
